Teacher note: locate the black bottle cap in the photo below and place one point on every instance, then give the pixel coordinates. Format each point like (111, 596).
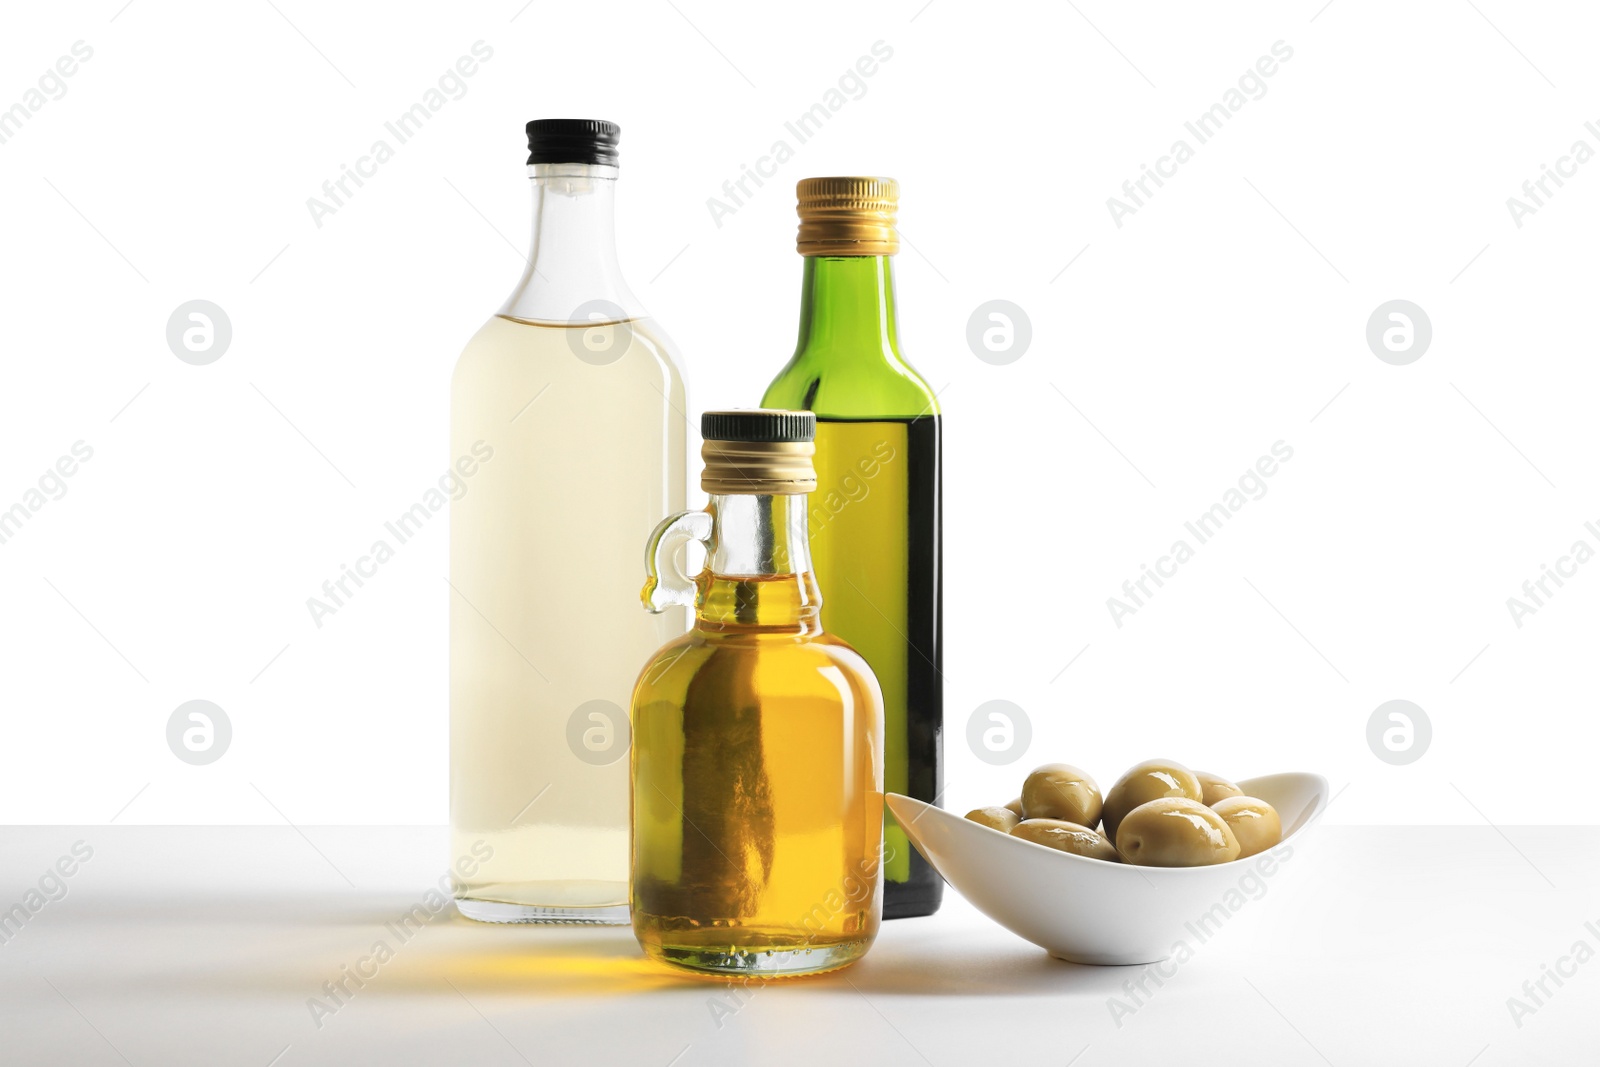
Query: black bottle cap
(573, 141)
(758, 425)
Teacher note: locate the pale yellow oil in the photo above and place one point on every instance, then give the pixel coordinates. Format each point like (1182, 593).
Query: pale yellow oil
(757, 793)
(545, 550)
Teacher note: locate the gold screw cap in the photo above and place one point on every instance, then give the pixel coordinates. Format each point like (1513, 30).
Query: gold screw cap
(758, 451)
(848, 216)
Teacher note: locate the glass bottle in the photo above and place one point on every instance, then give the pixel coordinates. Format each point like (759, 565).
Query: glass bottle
(876, 513)
(568, 443)
(757, 760)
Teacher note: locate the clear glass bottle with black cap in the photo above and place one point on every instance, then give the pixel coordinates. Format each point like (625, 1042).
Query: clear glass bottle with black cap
(568, 443)
(757, 746)
(875, 517)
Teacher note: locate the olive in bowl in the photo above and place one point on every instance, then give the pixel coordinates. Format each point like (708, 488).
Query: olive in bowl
(1002, 819)
(1061, 791)
(1144, 782)
(1066, 837)
(1214, 787)
(1255, 823)
(1175, 832)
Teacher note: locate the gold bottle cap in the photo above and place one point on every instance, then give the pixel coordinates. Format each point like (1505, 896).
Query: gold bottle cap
(758, 451)
(848, 216)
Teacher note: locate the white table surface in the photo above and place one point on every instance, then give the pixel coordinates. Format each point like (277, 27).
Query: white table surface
(203, 945)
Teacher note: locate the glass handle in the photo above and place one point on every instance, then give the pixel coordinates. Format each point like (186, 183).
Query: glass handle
(667, 584)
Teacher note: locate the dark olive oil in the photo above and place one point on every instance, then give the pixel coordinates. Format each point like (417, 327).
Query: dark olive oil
(875, 543)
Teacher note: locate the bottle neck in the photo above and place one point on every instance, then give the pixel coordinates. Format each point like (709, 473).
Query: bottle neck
(847, 304)
(573, 274)
(758, 571)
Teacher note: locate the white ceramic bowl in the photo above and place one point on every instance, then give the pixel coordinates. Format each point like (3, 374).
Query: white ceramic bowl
(1094, 911)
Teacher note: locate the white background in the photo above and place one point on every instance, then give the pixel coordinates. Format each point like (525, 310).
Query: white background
(1227, 314)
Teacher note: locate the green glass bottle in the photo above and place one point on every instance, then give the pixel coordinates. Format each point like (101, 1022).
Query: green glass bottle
(875, 513)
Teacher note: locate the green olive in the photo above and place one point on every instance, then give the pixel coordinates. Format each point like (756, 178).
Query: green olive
(1150, 780)
(1254, 823)
(1002, 819)
(1016, 806)
(1061, 791)
(1175, 832)
(1067, 837)
(1214, 787)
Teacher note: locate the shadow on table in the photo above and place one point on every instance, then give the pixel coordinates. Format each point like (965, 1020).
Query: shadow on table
(296, 944)
(1000, 970)
(602, 961)
(502, 958)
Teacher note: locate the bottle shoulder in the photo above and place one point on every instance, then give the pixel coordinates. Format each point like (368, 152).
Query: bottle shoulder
(851, 385)
(565, 351)
(841, 652)
(698, 651)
